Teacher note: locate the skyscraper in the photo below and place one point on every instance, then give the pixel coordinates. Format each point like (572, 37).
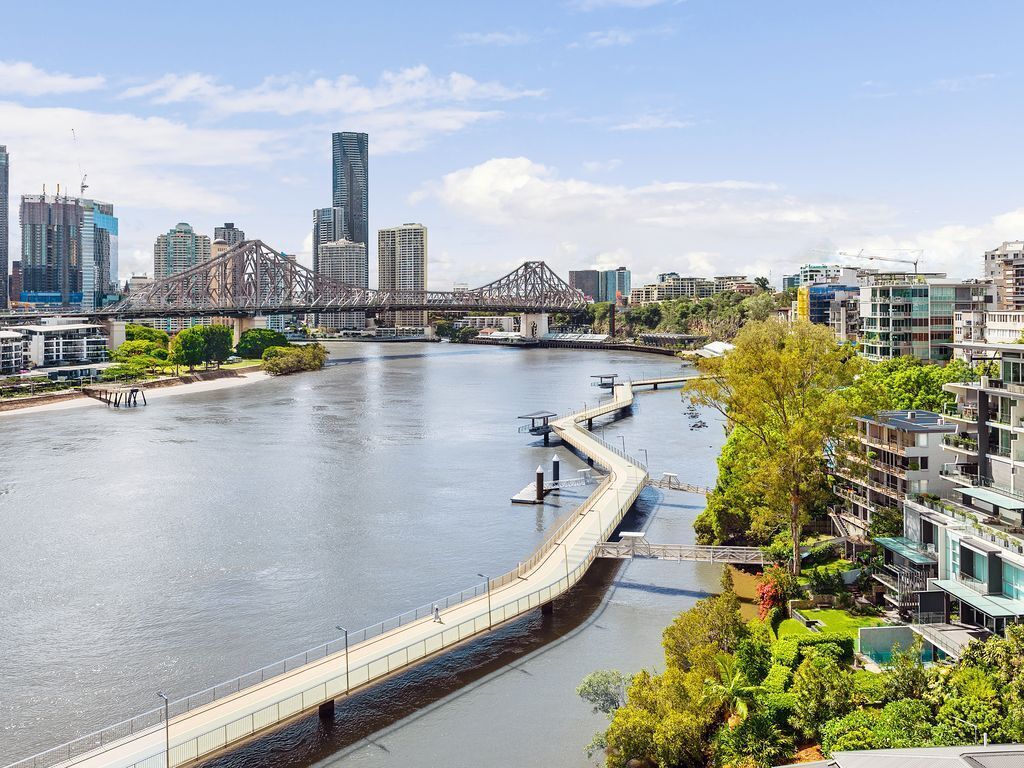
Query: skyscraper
(344, 261)
(586, 280)
(179, 249)
(229, 233)
(51, 249)
(4, 219)
(350, 156)
(328, 227)
(99, 252)
(402, 266)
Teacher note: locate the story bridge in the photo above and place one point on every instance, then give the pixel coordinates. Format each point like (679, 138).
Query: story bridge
(253, 279)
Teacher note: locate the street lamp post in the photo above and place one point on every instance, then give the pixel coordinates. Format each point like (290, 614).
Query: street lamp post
(623, 439)
(338, 626)
(488, 598)
(647, 461)
(167, 728)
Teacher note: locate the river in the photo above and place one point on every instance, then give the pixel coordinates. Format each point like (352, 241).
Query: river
(178, 545)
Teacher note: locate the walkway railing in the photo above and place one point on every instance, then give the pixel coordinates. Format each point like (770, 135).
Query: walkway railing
(186, 713)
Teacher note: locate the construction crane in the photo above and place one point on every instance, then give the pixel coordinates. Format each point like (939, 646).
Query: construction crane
(82, 186)
(868, 253)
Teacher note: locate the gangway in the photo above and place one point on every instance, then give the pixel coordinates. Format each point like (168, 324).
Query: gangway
(634, 544)
(670, 481)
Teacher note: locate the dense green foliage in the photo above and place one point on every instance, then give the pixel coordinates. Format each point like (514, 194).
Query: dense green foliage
(201, 344)
(304, 357)
(906, 383)
(736, 510)
(254, 342)
(133, 332)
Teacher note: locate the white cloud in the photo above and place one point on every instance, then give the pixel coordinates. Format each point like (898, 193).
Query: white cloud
(957, 84)
(25, 79)
(651, 123)
(499, 39)
(610, 37)
(697, 227)
(291, 95)
(601, 166)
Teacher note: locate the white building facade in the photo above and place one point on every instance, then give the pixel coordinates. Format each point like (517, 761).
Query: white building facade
(402, 266)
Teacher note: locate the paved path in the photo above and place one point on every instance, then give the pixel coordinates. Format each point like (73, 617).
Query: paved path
(261, 704)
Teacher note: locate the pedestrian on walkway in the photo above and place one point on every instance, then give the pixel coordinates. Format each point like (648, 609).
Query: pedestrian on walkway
(437, 614)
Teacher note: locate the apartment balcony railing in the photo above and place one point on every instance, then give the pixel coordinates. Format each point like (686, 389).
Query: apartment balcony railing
(962, 412)
(976, 584)
(960, 443)
(997, 450)
(886, 445)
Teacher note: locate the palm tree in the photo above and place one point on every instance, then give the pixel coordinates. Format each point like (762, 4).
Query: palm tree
(732, 690)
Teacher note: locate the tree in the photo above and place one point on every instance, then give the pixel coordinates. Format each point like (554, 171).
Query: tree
(188, 347)
(133, 332)
(885, 521)
(304, 357)
(762, 283)
(714, 622)
(255, 341)
(217, 343)
(631, 736)
(732, 690)
(735, 511)
(821, 690)
(785, 386)
(604, 690)
(905, 676)
(465, 334)
(759, 307)
(757, 742)
(907, 383)
(853, 731)
(903, 724)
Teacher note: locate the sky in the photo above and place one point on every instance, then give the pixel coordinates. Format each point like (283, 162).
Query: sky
(698, 136)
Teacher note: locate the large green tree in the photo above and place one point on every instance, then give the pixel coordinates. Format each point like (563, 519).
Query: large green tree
(133, 332)
(217, 343)
(906, 383)
(188, 347)
(789, 388)
(254, 342)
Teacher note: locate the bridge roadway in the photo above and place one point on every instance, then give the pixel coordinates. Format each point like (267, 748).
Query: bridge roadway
(213, 721)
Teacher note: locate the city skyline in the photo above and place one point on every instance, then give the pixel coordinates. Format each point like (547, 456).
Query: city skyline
(609, 128)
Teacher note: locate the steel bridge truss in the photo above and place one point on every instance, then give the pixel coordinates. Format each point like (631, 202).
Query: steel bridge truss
(252, 279)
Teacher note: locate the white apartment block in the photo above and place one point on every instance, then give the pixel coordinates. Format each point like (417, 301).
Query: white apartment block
(61, 342)
(498, 323)
(402, 266)
(998, 327)
(12, 353)
(178, 250)
(344, 261)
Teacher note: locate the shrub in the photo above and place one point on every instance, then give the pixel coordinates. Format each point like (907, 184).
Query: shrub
(775, 586)
(282, 360)
(786, 652)
(254, 342)
(853, 731)
(778, 678)
(844, 642)
(821, 691)
(868, 687)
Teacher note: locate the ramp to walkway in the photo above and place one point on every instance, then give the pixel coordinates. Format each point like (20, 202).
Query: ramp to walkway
(230, 713)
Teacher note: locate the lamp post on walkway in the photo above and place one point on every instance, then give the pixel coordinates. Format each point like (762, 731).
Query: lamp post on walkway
(167, 729)
(338, 626)
(647, 461)
(488, 598)
(623, 439)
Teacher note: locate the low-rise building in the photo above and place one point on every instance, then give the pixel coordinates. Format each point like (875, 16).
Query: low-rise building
(497, 323)
(12, 352)
(61, 342)
(997, 327)
(892, 455)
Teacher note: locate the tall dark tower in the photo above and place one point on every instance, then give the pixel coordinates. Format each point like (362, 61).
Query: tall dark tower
(351, 160)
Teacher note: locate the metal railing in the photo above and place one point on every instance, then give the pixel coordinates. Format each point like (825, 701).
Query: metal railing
(977, 585)
(193, 749)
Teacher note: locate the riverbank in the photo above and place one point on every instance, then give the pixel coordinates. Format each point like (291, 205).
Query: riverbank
(201, 381)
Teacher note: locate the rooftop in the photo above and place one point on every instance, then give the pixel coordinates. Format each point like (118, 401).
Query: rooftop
(911, 550)
(55, 327)
(910, 421)
(994, 606)
(975, 756)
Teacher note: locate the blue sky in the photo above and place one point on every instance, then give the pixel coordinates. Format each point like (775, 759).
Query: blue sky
(705, 136)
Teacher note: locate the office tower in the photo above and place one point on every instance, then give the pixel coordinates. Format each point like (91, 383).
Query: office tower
(613, 284)
(229, 233)
(328, 227)
(587, 281)
(344, 261)
(179, 249)
(14, 284)
(402, 266)
(51, 249)
(349, 184)
(99, 252)
(4, 222)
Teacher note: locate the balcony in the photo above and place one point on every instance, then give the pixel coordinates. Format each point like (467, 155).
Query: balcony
(968, 413)
(961, 443)
(887, 445)
(976, 584)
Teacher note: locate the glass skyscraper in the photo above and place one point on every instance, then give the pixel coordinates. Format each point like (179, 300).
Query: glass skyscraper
(350, 157)
(51, 249)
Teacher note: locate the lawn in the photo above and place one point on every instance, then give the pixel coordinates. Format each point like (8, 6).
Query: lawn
(841, 622)
(792, 628)
(242, 364)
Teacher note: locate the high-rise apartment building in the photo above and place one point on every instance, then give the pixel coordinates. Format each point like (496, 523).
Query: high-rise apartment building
(14, 282)
(51, 249)
(100, 253)
(229, 233)
(344, 261)
(913, 314)
(402, 266)
(328, 227)
(177, 250)
(350, 158)
(1004, 266)
(4, 223)
(587, 281)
